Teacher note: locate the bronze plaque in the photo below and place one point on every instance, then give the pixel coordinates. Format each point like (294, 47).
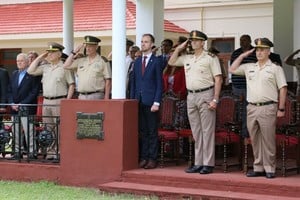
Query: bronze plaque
(90, 125)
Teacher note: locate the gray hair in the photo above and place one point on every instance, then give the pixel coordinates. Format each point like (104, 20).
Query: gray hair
(24, 55)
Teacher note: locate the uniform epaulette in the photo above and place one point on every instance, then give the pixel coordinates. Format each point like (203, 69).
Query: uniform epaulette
(105, 59)
(211, 54)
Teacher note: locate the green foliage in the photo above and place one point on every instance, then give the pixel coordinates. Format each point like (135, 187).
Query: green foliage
(12, 190)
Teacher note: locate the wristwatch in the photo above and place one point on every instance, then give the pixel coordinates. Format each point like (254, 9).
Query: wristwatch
(72, 52)
(216, 101)
(281, 109)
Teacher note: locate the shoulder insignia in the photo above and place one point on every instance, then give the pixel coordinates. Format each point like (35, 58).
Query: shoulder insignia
(211, 54)
(105, 59)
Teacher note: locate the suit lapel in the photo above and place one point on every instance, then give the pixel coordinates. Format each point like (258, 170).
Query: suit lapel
(16, 79)
(23, 80)
(138, 66)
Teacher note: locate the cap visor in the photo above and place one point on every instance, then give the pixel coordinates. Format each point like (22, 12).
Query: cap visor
(95, 43)
(53, 50)
(197, 38)
(262, 46)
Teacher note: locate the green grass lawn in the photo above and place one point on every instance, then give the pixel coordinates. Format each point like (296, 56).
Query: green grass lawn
(10, 190)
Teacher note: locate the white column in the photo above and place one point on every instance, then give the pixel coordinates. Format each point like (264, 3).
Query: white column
(150, 19)
(68, 33)
(118, 49)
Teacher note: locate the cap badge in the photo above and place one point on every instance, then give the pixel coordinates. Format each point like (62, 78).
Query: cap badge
(194, 34)
(259, 42)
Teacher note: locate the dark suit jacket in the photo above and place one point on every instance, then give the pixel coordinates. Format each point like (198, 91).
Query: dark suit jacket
(26, 92)
(275, 58)
(4, 81)
(147, 88)
(164, 61)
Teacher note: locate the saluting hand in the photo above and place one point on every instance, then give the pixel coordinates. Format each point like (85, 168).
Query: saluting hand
(182, 46)
(247, 53)
(43, 55)
(78, 48)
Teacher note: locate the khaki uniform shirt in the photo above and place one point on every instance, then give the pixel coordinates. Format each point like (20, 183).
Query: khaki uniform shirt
(91, 76)
(56, 80)
(199, 72)
(262, 83)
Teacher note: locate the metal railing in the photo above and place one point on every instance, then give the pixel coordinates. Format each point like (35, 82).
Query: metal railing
(29, 138)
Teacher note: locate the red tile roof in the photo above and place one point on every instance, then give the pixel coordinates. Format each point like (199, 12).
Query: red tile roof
(89, 15)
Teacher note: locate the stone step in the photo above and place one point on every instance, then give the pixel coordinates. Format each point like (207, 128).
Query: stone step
(169, 192)
(226, 182)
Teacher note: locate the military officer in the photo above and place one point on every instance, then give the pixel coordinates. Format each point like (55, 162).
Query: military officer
(94, 74)
(203, 81)
(264, 80)
(58, 84)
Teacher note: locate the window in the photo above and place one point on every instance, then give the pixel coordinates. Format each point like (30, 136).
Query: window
(224, 45)
(8, 58)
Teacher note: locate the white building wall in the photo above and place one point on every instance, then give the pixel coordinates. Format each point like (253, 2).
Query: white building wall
(226, 21)
(296, 24)
(283, 33)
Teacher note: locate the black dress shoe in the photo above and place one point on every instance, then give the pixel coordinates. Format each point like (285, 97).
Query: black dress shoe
(255, 174)
(270, 175)
(206, 170)
(151, 165)
(17, 156)
(194, 169)
(32, 156)
(143, 163)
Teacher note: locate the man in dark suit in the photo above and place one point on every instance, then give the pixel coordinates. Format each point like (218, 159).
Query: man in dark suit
(24, 89)
(4, 81)
(275, 58)
(146, 87)
(166, 47)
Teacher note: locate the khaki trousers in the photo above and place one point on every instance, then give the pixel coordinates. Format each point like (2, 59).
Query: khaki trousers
(261, 123)
(202, 121)
(27, 128)
(51, 109)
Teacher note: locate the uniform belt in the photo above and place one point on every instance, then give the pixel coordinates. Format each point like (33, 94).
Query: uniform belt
(58, 97)
(87, 93)
(200, 90)
(263, 103)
